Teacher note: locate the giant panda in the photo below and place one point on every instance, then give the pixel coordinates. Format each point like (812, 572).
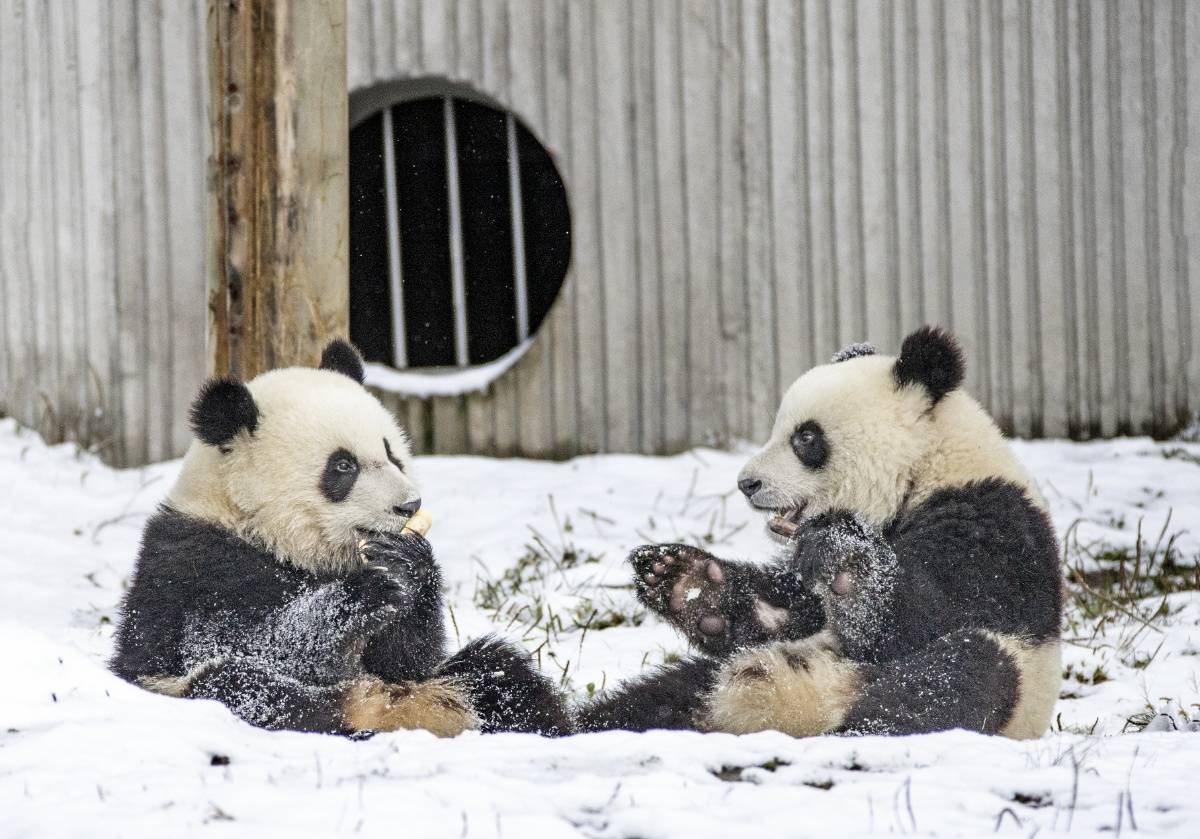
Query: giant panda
(277, 577)
(919, 588)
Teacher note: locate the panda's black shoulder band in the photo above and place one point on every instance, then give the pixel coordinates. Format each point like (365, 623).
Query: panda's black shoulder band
(341, 357)
(931, 358)
(223, 408)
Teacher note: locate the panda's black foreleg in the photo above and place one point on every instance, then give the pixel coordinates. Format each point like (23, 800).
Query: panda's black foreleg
(413, 642)
(854, 571)
(722, 605)
(319, 637)
(259, 694)
(672, 697)
(506, 691)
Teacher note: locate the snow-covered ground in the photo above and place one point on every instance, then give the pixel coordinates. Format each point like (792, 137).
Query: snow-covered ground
(537, 549)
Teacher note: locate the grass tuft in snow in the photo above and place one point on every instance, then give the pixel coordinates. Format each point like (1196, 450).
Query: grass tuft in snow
(1128, 585)
(753, 774)
(1119, 600)
(551, 591)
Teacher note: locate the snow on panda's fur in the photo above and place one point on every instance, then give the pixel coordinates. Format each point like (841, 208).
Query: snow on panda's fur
(277, 580)
(920, 589)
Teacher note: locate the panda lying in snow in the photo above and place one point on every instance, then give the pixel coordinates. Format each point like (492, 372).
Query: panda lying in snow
(277, 580)
(921, 590)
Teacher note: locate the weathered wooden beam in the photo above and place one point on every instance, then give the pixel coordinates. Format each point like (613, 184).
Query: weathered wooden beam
(277, 185)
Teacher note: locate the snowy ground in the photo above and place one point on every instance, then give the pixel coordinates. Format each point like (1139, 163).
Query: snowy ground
(537, 549)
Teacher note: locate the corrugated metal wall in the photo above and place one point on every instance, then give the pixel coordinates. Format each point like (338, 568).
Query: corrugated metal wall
(102, 220)
(753, 185)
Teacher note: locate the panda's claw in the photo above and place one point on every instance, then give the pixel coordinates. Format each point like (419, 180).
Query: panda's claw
(652, 571)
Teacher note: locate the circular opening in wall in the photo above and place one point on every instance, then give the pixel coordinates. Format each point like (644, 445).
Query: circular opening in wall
(460, 232)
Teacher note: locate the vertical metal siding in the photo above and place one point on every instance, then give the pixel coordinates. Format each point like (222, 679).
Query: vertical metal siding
(783, 178)
(102, 198)
(752, 184)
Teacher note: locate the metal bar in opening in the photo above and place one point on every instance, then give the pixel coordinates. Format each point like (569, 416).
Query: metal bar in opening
(458, 274)
(518, 231)
(395, 284)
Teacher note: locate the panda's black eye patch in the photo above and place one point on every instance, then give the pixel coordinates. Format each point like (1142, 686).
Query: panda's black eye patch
(810, 444)
(341, 471)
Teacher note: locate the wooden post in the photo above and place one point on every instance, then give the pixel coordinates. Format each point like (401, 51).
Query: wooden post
(278, 182)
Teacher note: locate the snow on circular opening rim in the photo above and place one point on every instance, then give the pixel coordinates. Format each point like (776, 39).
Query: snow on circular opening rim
(443, 381)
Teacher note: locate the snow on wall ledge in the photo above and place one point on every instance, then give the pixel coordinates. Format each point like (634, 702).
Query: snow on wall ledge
(446, 381)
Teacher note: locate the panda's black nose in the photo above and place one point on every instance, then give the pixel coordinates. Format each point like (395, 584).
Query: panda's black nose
(407, 508)
(749, 486)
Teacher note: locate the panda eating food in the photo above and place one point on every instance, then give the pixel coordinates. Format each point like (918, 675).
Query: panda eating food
(285, 576)
(920, 588)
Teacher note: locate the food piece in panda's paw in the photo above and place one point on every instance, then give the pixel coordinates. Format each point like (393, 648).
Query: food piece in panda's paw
(419, 522)
(787, 523)
(782, 525)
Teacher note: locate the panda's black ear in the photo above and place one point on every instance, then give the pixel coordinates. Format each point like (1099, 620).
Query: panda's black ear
(931, 358)
(222, 409)
(341, 357)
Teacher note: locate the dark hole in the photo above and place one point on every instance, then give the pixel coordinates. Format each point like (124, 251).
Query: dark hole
(547, 226)
(424, 215)
(487, 231)
(368, 226)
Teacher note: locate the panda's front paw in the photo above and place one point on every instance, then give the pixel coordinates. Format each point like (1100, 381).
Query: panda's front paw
(854, 571)
(837, 552)
(407, 556)
(409, 548)
(374, 594)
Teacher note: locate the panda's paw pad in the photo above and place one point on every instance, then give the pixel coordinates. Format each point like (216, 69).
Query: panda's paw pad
(684, 585)
(838, 553)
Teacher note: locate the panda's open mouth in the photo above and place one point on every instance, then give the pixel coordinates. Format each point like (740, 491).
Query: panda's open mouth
(786, 522)
(377, 532)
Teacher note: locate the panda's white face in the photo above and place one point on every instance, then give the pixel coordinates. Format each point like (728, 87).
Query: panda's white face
(846, 436)
(870, 433)
(322, 464)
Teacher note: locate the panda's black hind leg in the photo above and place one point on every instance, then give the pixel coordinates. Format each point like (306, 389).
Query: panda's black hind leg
(964, 679)
(971, 679)
(507, 692)
(672, 697)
